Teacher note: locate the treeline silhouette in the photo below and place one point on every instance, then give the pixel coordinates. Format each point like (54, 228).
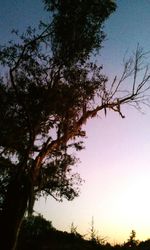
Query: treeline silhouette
(39, 234)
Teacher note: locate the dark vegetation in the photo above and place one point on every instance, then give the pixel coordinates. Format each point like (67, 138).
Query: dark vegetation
(39, 234)
(49, 88)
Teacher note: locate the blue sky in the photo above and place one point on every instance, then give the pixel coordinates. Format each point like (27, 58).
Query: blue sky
(116, 162)
(19, 14)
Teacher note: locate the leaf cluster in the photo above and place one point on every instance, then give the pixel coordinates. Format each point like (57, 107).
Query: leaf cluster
(82, 29)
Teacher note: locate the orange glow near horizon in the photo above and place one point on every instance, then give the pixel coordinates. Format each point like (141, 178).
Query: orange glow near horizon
(115, 166)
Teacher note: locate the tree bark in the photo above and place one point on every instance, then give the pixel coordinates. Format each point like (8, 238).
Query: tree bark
(13, 212)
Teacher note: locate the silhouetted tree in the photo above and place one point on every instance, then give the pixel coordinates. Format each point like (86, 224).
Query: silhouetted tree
(49, 88)
(92, 232)
(46, 90)
(33, 226)
(132, 242)
(144, 245)
(94, 237)
(73, 231)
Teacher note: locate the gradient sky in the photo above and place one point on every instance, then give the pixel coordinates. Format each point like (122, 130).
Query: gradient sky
(116, 162)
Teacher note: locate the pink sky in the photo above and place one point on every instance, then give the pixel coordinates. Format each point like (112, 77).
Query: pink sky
(115, 166)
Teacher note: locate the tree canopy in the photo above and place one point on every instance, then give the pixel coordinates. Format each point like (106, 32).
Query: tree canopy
(82, 29)
(48, 84)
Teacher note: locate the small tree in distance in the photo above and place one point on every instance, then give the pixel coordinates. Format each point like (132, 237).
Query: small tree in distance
(132, 242)
(94, 236)
(49, 89)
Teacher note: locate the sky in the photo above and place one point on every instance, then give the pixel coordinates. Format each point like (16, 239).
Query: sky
(116, 161)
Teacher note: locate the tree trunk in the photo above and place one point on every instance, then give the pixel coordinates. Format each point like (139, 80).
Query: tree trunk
(13, 211)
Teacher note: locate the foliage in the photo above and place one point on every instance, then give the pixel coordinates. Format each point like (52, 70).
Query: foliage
(132, 242)
(35, 226)
(43, 101)
(46, 93)
(38, 233)
(94, 237)
(82, 25)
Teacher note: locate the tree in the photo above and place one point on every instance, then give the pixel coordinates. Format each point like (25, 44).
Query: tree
(42, 107)
(94, 238)
(132, 242)
(35, 231)
(49, 89)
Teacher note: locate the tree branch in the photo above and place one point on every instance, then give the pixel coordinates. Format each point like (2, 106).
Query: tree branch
(109, 100)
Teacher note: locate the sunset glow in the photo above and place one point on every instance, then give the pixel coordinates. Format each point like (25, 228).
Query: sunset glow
(116, 161)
